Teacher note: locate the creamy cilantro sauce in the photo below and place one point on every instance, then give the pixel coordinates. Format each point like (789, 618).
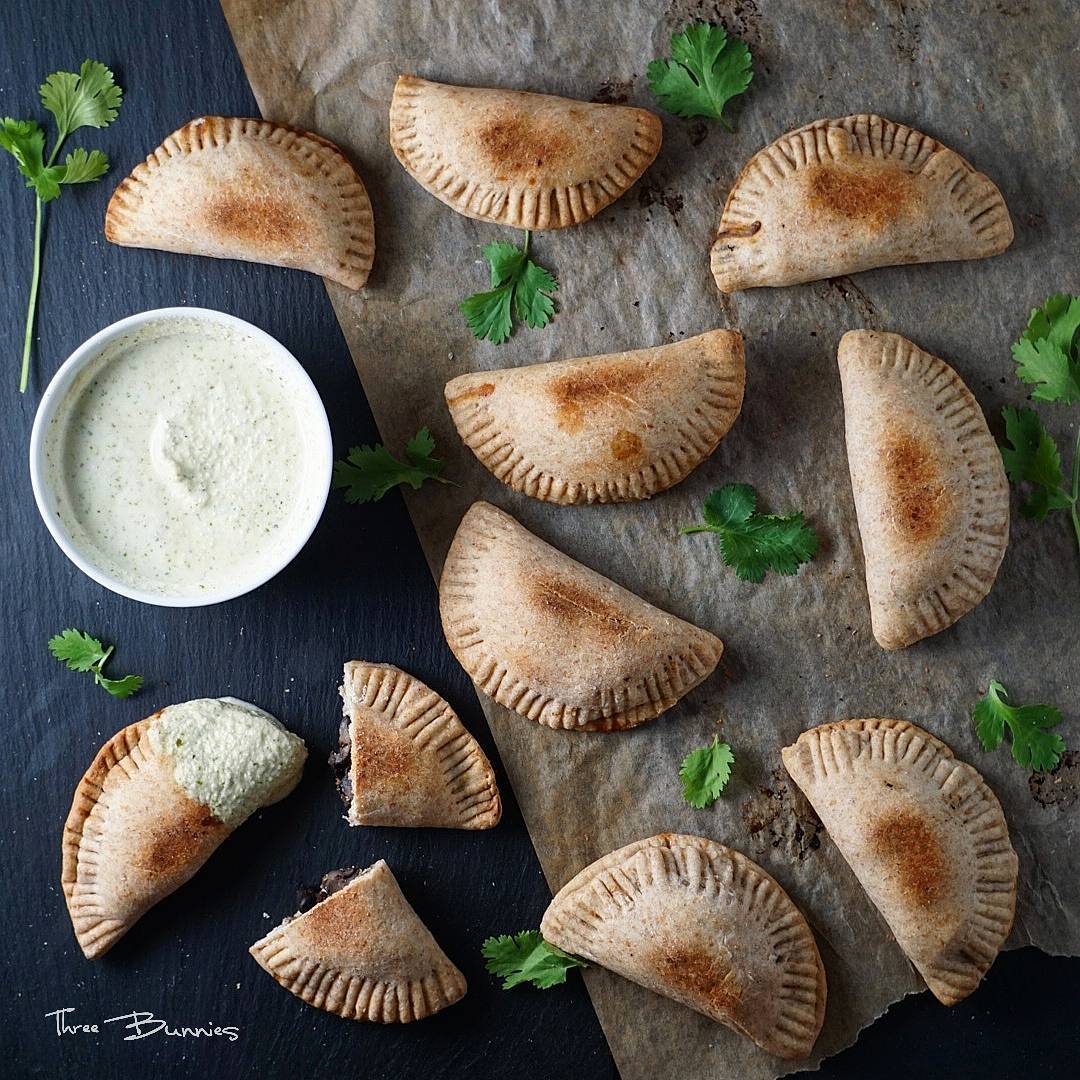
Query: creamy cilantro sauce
(179, 461)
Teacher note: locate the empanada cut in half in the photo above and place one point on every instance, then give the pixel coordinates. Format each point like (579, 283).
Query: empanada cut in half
(704, 925)
(839, 196)
(159, 798)
(558, 642)
(406, 759)
(361, 952)
(931, 496)
(925, 837)
(528, 160)
(606, 428)
(235, 188)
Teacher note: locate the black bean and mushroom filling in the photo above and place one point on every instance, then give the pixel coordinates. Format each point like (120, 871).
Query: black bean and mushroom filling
(341, 763)
(334, 881)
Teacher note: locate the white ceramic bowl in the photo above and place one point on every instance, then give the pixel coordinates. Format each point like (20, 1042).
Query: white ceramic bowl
(61, 384)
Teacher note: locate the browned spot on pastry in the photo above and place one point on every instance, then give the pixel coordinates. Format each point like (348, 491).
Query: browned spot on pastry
(626, 445)
(521, 144)
(699, 976)
(383, 756)
(342, 920)
(483, 390)
(873, 197)
(173, 841)
(254, 218)
(912, 855)
(916, 493)
(577, 605)
(576, 393)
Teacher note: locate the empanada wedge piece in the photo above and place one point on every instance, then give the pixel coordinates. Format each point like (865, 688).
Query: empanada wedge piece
(839, 196)
(925, 837)
(606, 428)
(558, 642)
(406, 759)
(931, 496)
(361, 952)
(159, 798)
(235, 188)
(528, 160)
(704, 925)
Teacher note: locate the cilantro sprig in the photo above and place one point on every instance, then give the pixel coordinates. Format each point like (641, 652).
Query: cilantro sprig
(370, 472)
(706, 70)
(705, 772)
(1047, 357)
(81, 652)
(519, 287)
(90, 98)
(1033, 746)
(751, 542)
(527, 958)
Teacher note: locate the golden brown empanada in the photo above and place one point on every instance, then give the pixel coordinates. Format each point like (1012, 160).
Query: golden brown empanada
(925, 837)
(930, 491)
(528, 160)
(604, 428)
(558, 642)
(235, 188)
(159, 798)
(839, 196)
(406, 759)
(700, 923)
(361, 952)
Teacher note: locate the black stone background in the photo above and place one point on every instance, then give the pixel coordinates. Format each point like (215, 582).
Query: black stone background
(359, 589)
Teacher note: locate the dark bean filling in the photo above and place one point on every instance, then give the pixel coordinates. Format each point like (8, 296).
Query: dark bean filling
(341, 763)
(334, 881)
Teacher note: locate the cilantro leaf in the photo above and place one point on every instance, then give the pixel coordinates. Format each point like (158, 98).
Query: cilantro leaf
(80, 166)
(527, 957)
(1033, 746)
(751, 542)
(1033, 458)
(705, 772)
(89, 99)
(706, 70)
(518, 287)
(1046, 354)
(81, 652)
(78, 650)
(371, 471)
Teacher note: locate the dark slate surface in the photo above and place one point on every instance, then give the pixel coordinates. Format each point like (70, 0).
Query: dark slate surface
(360, 589)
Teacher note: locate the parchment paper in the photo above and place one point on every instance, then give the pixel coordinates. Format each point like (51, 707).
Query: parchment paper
(995, 81)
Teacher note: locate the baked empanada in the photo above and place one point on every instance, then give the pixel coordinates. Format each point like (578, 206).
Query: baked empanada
(700, 923)
(159, 798)
(930, 491)
(235, 188)
(558, 642)
(604, 428)
(925, 837)
(361, 952)
(839, 196)
(406, 759)
(528, 160)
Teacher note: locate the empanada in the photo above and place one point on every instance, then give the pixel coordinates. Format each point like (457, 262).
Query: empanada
(406, 759)
(700, 923)
(361, 952)
(159, 798)
(528, 160)
(558, 642)
(839, 196)
(235, 188)
(605, 428)
(925, 837)
(930, 491)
